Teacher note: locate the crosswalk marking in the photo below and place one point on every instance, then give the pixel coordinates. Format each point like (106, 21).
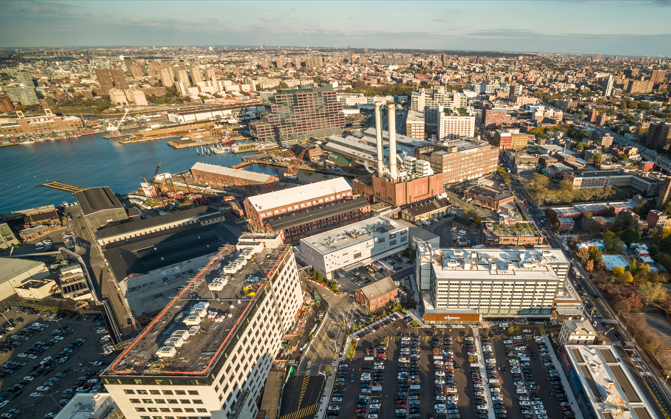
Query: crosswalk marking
(301, 413)
(306, 379)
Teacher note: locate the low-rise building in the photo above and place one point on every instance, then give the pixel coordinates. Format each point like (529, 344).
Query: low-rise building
(510, 233)
(376, 295)
(15, 272)
(244, 181)
(100, 207)
(657, 219)
(426, 210)
(90, 406)
(608, 178)
(464, 224)
(602, 384)
(355, 245)
(7, 237)
(577, 332)
(292, 228)
(36, 290)
(41, 125)
(490, 197)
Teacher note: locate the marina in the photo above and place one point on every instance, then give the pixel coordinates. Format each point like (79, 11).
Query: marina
(91, 160)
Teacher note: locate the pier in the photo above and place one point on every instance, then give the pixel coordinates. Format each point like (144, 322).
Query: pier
(63, 187)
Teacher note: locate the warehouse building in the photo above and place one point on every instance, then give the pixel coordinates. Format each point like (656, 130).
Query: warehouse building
(244, 181)
(100, 207)
(355, 245)
(376, 295)
(426, 211)
(273, 205)
(294, 227)
(208, 353)
(15, 272)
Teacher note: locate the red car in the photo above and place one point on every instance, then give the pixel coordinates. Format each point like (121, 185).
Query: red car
(361, 411)
(565, 408)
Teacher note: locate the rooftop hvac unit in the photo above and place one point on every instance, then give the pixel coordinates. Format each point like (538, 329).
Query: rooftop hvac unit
(202, 304)
(166, 352)
(192, 320)
(217, 285)
(175, 341)
(458, 253)
(180, 333)
(200, 312)
(193, 330)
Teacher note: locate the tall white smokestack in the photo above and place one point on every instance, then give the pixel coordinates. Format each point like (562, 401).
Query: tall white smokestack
(392, 140)
(378, 133)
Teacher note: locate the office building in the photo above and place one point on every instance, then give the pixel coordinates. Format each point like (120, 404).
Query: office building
(577, 332)
(297, 226)
(659, 136)
(608, 178)
(460, 160)
(355, 245)
(414, 125)
(263, 208)
(166, 78)
(508, 232)
(298, 114)
(592, 116)
(485, 194)
(602, 384)
(376, 295)
(246, 182)
(22, 93)
(469, 283)
(454, 125)
(607, 86)
(208, 353)
(428, 103)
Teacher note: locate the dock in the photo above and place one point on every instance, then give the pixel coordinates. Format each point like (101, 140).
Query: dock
(63, 187)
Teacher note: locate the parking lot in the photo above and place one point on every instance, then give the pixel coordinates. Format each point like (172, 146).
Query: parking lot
(351, 281)
(530, 386)
(44, 361)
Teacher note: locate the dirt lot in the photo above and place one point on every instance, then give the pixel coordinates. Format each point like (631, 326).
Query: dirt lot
(77, 365)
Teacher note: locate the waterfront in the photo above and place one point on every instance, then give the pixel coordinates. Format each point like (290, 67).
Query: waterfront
(91, 161)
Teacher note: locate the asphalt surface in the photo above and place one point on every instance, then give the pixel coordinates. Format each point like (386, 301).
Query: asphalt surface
(301, 397)
(77, 365)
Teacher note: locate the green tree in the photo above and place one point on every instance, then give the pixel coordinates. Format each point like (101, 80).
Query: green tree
(630, 236)
(595, 254)
(642, 211)
(539, 181)
(415, 323)
(327, 369)
(666, 209)
(597, 158)
(610, 212)
(580, 146)
(618, 270)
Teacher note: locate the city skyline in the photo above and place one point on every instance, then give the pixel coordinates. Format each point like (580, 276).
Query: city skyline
(576, 27)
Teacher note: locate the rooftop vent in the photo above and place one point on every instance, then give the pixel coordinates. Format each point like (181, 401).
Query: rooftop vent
(166, 352)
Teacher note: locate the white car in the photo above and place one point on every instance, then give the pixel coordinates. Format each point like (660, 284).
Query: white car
(35, 394)
(43, 388)
(337, 399)
(334, 407)
(29, 378)
(526, 331)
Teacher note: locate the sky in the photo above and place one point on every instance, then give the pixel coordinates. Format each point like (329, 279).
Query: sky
(631, 27)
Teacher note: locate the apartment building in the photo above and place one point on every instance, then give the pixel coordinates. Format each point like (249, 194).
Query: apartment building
(294, 227)
(299, 114)
(414, 125)
(461, 160)
(208, 353)
(270, 206)
(577, 332)
(248, 182)
(659, 136)
(509, 140)
(608, 178)
(489, 283)
(428, 103)
(354, 245)
(451, 126)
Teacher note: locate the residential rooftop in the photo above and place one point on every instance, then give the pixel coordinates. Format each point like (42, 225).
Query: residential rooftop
(607, 383)
(193, 332)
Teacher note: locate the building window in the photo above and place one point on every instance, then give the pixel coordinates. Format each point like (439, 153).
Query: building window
(140, 409)
(180, 392)
(154, 392)
(129, 391)
(147, 401)
(142, 392)
(135, 400)
(185, 401)
(197, 402)
(172, 401)
(357, 255)
(159, 401)
(167, 392)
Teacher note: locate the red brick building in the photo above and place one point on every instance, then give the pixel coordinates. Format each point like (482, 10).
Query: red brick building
(271, 206)
(219, 176)
(401, 193)
(497, 117)
(41, 125)
(376, 295)
(294, 227)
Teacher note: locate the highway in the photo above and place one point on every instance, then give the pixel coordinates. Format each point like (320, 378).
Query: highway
(608, 322)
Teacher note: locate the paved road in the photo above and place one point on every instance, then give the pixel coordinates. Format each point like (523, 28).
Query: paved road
(649, 381)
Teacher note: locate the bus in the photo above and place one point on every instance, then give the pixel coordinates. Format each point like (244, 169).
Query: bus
(576, 272)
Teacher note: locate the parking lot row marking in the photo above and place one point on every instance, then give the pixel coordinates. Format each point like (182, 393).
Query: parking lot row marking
(301, 413)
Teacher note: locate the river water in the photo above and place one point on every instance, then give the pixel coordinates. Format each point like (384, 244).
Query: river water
(91, 161)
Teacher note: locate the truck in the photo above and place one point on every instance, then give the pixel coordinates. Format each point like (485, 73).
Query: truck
(368, 359)
(524, 359)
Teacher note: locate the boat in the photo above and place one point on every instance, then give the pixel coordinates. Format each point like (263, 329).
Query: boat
(220, 150)
(290, 175)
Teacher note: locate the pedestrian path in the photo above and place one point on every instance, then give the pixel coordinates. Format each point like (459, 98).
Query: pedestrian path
(564, 380)
(483, 372)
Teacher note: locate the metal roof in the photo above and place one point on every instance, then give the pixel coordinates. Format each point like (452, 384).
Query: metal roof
(97, 199)
(11, 268)
(290, 196)
(317, 214)
(378, 288)
(227, 171)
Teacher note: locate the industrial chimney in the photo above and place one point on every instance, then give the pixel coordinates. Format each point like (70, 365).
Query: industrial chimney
(378, 133)
(392, 140)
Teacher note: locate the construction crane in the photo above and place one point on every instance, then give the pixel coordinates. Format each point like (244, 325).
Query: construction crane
(114, 130)
(292, 170)
(156, 172)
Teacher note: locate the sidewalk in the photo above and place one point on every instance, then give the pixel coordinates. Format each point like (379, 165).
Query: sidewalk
(483, 372)
(330, 382)
(564, 380)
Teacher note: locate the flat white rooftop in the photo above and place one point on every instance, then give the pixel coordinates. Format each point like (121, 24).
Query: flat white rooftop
(607, 383)
(343, 237)
(301, 193)
(227, 171)
(497, 264)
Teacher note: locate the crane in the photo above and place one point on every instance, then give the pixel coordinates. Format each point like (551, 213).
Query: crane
(292, 170)
(156, 171)
(114, 130)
